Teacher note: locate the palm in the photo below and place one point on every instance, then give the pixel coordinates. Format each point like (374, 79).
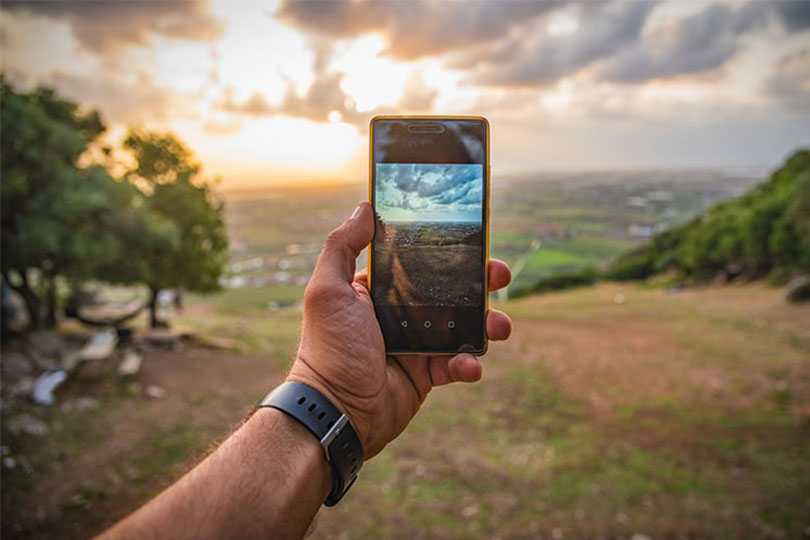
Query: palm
(378, 391)
(342, 352)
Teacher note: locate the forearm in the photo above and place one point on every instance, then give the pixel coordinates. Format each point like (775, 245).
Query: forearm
(267, 480)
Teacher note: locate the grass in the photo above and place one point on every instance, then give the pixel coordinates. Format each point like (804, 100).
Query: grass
(252, 299)
(669, 415)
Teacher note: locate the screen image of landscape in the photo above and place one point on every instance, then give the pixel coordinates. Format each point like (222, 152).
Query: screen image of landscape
(428, 244)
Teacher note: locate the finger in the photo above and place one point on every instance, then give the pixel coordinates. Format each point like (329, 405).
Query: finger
(460, 368)
(416, 368)
(499, 325)
(361, 277)
(499, 275)
(338, 257)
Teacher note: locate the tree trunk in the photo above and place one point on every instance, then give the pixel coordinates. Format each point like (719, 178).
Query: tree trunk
(178, 299)
(30, 298)
(51, 301)
(153, 307)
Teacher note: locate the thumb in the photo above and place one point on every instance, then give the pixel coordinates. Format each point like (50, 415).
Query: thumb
(338, 258)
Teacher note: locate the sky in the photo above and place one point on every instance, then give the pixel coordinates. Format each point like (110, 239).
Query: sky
(278, 92)
(429, 192)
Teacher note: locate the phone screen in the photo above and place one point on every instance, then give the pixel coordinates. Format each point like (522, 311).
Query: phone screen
(429, 191)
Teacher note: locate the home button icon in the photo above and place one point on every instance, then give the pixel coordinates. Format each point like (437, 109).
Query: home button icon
(427, 324)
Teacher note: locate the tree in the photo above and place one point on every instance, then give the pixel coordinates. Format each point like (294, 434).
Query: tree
(766, 231)
(177, 197)
(51, 207)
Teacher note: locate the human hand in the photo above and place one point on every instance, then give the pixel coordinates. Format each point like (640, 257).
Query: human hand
(342, 353)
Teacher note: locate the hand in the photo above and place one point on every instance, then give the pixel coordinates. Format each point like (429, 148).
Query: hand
(342, 353)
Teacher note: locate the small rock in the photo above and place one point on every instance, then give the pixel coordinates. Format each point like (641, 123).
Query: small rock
(155, 392)
(470, 511)
(14, 366)
(618, 299)
(557, 534)
(217, 343)
(71, 361)
(798, 289)
(22, 388)
(29, 425)
(100, 346)
(46, 343)
(131, 364)
(41, 362)
(163, 339)
(45, 386)
(80, 404)
(638, 536)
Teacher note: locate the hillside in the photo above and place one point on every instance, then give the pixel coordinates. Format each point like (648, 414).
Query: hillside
(614, 410)
(765, 232)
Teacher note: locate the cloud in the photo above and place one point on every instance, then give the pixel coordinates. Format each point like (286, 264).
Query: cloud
(615, 38)
(104, 27)
(696, 44)
(540, 58)
(123, 102)
(794, 14)
(789, 82)
(326, 96)
(420, 186)
(415, 29)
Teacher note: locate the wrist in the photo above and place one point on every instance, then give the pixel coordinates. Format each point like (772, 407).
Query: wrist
(310, 461)
(330, 427)
(303, 374)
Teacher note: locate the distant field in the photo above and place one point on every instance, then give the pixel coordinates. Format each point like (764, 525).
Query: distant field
(538, 221)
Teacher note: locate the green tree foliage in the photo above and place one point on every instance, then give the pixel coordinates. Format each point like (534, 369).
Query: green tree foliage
(160, 225)
(766, 231)
(52, 209)
(177, 196)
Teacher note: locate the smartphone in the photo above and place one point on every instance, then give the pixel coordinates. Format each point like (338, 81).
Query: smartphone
(429, 184)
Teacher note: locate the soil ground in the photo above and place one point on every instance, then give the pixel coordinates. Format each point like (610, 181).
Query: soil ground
(613, 411)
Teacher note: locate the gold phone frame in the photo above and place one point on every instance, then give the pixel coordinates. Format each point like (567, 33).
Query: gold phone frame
(488, 181)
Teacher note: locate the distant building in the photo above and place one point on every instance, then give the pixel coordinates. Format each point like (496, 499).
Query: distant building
(660, 196)
(636, 202)
(640, 231)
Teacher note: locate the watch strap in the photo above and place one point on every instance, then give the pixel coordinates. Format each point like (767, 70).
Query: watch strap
(334, 431)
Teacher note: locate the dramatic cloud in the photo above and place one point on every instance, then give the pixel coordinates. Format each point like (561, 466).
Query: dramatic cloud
(419, 28)
(104, 27)
(438, 192)
(795, 14)
(614, 36)
(789, 82)
(696, 44)
(544, 58)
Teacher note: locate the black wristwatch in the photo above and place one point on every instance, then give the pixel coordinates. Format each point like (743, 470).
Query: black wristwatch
(339, 440)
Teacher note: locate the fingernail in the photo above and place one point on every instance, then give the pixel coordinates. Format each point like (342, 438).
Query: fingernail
(356, 212)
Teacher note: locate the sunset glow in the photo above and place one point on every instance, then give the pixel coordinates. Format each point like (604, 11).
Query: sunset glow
(268, 93)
